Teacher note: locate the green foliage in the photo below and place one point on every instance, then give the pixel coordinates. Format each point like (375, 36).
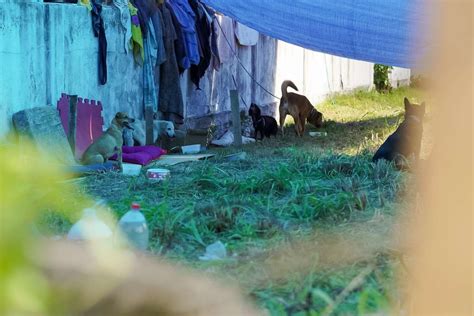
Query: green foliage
(381, 81)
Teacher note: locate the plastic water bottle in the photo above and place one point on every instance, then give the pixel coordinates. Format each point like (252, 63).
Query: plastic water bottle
(89, 228)
(134, 227)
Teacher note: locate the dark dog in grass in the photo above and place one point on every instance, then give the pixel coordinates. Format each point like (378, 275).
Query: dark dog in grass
(263, 124)
(405, 142)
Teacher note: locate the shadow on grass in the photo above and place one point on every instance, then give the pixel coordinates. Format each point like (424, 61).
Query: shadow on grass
(343, 137)
(355, 134)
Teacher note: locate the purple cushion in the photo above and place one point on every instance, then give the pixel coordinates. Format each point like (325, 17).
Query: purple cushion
(141, 155)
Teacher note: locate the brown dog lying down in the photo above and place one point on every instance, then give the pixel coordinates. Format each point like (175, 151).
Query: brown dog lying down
(109, 143)
(299, 107)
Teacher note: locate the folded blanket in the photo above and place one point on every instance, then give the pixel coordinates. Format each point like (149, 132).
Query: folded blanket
(141, 155)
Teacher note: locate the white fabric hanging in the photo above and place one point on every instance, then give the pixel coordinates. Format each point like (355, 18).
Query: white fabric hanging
(245, 35)
(125, 21)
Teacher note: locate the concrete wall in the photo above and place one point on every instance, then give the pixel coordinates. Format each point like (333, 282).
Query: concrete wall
(47, 49)
(318, 75)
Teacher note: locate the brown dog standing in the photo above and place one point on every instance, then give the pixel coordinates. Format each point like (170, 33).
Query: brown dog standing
(299, 107)
(109, 143)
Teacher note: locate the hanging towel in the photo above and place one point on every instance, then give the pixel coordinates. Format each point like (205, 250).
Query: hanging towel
(215, 59)
(144, 11)
(137, 39)
(245, 35)
(125, 21)
(226, 44)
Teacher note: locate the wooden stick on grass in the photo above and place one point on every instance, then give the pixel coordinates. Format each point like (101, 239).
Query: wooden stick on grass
(354, 284)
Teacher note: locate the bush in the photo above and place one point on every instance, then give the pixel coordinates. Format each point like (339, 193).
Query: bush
(381, 81)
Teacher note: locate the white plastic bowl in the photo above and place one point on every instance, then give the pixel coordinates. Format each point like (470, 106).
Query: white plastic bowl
(191, 149)
(158, 174)
(130, 169)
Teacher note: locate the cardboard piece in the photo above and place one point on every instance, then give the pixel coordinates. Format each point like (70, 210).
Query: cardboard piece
(171, 160)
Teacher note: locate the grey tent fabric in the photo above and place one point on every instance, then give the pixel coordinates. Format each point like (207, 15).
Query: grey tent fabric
(387, 32)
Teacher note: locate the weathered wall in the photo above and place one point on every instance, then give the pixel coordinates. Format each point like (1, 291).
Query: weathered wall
(47, 49)
(317, 75)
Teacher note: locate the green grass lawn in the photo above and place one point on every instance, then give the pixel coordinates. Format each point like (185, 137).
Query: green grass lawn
(275, 210)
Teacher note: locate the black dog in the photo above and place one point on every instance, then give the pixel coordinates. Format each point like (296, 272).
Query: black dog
(406, 140)
(264, 124)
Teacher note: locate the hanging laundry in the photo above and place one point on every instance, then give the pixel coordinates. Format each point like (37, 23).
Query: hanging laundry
(148, 11)
(143, 11)
(125, 21)
(185, 16)
(99, 32)
(152, 30)
(212, 20)
(86, 3)
(211, 15)
(150, 97)
(215, 59)
(226, 44)
(245, 35)
(203, 30)
(161, 53)
(160, 35)
(137, 39)
(170, 95)
(157, 20)
(179, 45)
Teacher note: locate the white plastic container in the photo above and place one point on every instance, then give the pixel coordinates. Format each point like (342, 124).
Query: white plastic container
(130, 169)
(191, 149)
(134, 228)
(89, 228)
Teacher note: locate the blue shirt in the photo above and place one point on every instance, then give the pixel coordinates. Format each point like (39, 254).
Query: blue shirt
(187, 21)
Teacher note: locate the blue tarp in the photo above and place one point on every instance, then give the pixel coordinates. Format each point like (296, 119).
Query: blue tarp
(380, 31)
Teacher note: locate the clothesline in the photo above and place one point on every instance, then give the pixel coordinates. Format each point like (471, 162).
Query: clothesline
(242, 65)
